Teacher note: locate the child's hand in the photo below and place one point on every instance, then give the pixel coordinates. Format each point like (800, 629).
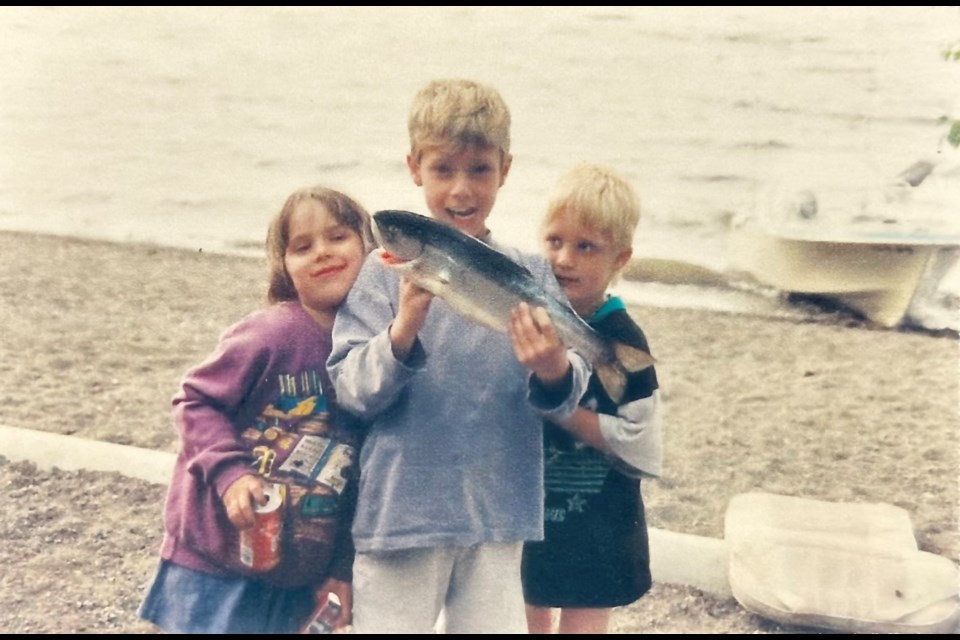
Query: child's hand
(536, 344)
(240, 498)
(411, 314)
(344, 592)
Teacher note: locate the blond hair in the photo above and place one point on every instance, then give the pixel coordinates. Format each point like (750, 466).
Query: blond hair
(600, 199)
(342, 207)
(462, 112)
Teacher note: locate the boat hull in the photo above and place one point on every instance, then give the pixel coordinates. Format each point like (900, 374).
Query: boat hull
(875, 278)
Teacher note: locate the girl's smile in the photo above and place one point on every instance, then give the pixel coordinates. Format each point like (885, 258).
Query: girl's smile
(319, 273)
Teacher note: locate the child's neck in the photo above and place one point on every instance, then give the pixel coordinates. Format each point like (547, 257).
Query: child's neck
(586, 309)
(323, 317)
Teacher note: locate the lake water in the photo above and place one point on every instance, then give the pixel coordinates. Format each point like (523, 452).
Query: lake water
(189, 126)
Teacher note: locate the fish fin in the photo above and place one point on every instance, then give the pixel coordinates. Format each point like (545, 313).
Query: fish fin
(631, 358)
(613, 376)
(614, 380)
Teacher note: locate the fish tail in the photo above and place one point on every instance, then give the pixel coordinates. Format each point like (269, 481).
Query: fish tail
(631, 358)
(614, 380)
(613, 375)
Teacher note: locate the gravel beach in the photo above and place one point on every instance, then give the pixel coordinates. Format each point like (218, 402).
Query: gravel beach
(97, 336)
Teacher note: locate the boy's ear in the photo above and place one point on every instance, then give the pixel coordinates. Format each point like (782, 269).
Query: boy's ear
(414, 167)
(623, 258)
(505, 167)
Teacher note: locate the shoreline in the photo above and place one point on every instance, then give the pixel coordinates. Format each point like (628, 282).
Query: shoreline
(667, 283)
(654, 282)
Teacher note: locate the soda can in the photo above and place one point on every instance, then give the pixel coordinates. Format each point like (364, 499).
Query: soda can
(324, 617)
(260, 544)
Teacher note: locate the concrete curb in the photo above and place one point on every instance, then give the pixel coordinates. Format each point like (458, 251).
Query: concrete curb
(675, 558)
(70, 453)
(696, 561)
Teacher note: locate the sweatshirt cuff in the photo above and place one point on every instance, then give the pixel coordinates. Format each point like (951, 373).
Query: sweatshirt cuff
(230, 475)
(547, 398)
(558, 403)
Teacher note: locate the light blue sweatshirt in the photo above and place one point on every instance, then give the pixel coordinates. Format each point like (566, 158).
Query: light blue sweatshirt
(454, 455)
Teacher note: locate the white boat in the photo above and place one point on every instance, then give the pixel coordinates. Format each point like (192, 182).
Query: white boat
(876, 272)
(882, 252)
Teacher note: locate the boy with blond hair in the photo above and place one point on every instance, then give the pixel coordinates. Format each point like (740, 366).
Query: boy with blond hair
(451, 480)
(595, 552)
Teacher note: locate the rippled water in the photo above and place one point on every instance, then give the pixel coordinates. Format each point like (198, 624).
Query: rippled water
(189, 126)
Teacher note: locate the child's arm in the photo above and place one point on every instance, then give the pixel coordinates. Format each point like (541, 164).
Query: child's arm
(537, 346)
(411, 314)
(365, 367)
(584, 425)
(208, 403)
(633, 436)
(559, 375)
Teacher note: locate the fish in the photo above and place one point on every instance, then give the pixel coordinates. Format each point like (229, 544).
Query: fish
(485, 285)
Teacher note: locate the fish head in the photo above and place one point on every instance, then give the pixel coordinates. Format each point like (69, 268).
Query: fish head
(400, 234)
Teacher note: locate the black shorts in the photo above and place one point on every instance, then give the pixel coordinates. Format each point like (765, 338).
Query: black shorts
(597, 556)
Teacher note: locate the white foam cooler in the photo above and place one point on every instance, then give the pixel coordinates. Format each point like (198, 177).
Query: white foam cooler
(846, 566)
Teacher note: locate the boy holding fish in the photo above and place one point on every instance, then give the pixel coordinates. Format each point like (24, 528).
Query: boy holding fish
(595, 552)
(452, 465)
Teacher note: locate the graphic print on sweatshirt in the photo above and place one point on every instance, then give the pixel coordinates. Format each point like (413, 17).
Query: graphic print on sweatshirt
(297, 443)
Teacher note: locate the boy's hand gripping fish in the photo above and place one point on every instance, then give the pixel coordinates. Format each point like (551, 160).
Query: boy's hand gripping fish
(484, 285)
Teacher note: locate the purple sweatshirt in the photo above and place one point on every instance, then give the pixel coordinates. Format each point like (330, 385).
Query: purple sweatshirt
(269, 368)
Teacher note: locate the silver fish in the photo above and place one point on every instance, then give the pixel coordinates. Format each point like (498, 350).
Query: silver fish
(485, 285)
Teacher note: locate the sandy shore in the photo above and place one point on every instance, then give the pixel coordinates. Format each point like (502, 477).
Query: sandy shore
(96, 337)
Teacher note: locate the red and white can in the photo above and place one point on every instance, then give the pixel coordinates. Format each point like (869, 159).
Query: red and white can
(323, 617)
(260, 544)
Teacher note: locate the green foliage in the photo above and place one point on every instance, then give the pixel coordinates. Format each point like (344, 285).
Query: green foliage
(952, 54)
(953, 137)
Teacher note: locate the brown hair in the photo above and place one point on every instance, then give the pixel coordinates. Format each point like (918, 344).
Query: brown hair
(462, 112)
(345, 209)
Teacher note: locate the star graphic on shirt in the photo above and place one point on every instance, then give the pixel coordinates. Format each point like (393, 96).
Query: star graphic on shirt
(551, 454)
(576, 503)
